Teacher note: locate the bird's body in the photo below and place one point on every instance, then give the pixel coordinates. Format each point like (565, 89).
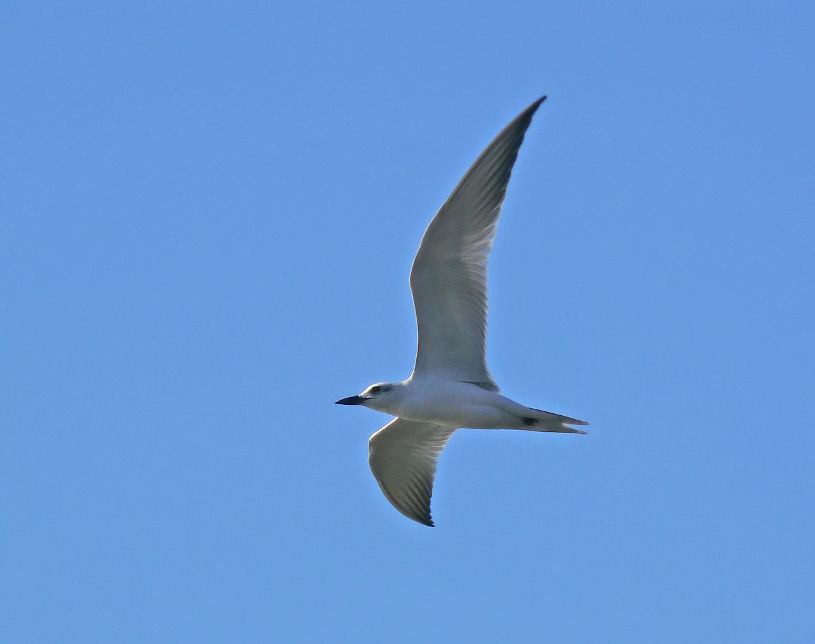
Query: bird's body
(451, 386)
(463, 404)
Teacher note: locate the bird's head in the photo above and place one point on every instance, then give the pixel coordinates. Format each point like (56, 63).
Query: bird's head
(380, 396)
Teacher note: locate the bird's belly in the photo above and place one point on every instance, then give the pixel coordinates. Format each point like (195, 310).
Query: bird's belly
(456, 410)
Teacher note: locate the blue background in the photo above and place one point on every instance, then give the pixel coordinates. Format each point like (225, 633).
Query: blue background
(208, 212)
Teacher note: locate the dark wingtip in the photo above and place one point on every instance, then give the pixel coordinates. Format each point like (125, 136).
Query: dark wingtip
(529, 112)
(536, 104)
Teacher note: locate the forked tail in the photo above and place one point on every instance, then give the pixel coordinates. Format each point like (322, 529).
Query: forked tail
(544, 421)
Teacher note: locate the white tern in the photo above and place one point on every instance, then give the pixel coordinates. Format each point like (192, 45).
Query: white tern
(450, 386)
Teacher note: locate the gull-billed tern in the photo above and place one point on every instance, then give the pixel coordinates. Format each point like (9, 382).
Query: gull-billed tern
(450, 386)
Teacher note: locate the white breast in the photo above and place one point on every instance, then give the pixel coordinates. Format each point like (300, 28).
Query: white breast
(455, 404)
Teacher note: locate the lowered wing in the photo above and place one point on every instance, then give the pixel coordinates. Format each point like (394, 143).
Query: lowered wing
(403, 456)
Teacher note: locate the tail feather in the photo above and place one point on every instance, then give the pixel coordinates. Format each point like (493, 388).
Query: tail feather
(545, 421)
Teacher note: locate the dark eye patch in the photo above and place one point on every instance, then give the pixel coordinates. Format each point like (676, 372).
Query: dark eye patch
(376, 389)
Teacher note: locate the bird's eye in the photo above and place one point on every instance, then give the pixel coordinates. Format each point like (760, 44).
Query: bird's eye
(376, 389)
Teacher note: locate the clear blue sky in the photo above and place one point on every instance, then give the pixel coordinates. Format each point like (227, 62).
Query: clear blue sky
(208, 212)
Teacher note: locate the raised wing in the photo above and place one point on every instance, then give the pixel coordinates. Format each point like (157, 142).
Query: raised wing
(403, 456)
(449, 275)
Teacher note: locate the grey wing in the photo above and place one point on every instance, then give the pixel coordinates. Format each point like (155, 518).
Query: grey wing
(449, 274)
(403, 456)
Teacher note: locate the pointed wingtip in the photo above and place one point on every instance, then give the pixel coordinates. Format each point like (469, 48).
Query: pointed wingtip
(528, 113)
(424, 520)
(536, 104)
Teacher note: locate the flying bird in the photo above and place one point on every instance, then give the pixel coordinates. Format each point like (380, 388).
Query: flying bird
(451, 387)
